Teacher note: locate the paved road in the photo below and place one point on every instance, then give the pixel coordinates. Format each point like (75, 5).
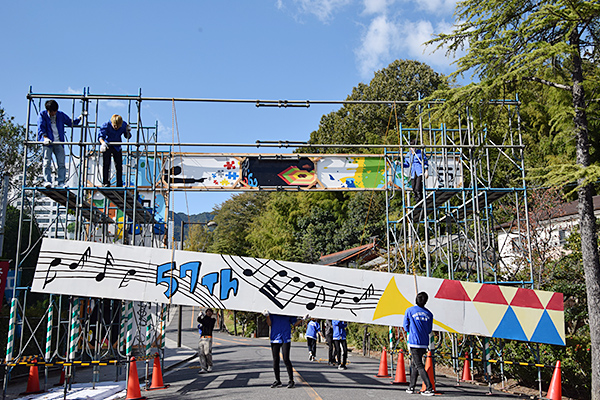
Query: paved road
(243, 370)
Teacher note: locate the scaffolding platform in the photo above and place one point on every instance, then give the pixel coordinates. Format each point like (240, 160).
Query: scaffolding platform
(124, 200)
(71, 201)
(484, 197)
(434, 199)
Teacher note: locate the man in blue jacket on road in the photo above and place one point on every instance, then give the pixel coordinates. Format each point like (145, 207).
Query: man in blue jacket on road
(418, 324)
(51, 130)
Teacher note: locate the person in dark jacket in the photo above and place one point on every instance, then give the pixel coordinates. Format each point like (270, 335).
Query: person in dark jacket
(418, 324)
(206, 324)
(51, 130)
(111, 132)
(329, 338)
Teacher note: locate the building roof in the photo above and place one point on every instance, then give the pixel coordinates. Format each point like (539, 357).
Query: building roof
(567, 211)
(364, 252)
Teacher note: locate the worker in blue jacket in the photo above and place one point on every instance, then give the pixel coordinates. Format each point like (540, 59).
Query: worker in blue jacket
(51, 130)
(418, 324)
(339, 341)
(111, 132)
(281, 338)
(416, 161)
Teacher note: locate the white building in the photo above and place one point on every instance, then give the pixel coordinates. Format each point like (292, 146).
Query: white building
(549, 232)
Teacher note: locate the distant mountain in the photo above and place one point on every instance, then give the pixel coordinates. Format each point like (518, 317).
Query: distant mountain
(178, 217)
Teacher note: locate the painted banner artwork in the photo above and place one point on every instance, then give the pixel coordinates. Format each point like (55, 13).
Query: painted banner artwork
(301, 171)
(249, 284)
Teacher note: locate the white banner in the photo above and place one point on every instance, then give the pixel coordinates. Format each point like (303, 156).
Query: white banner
(250, 284)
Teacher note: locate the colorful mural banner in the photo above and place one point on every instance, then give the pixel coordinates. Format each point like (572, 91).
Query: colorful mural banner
(155, 275)
(302, 171)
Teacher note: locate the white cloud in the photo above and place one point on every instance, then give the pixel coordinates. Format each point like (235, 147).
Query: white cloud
(376, 6)
(419, 32)
(324, 10)
(437, 6)
(164, 133)
(70, 90)
(377, 45)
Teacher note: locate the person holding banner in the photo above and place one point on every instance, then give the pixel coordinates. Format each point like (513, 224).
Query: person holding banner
(418, 324)
(281, 338)
(313, 328)
(206, 323)
(339, 340)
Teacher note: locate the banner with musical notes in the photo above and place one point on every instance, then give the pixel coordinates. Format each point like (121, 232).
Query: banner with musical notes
(250, 284)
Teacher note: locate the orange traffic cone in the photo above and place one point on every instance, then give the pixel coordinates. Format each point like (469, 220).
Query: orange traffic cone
(133, 382)
(466, 374)
(429, 370)
(62, 377)
(383, 365)
(555, 390)
(400, 370)
(157, 378)
(33, 382)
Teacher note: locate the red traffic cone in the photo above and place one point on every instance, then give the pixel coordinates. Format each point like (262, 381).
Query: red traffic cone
(133, 382)
(383, 365)
(33, 382)
(555, 390)
(466, 374)
(157, 378)
(429, 370)
(400, 370)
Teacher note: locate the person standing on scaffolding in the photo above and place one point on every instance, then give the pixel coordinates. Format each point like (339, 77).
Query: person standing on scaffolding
(416, 161)
(110, 132)
(51, 130)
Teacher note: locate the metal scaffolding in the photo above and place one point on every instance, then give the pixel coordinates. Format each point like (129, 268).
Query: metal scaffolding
(451, 234)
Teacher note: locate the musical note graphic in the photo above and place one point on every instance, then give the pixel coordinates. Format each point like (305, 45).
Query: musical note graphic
(53, 263)
(107, 261)
(84, 257)
(125, 280)
(335, 300)
(271, 289)
(249, 272)
(368, 293)
(312, 305)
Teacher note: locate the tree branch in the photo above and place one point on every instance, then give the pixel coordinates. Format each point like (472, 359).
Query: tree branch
(548, 83)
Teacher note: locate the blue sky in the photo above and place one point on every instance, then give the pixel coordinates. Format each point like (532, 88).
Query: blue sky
(268, 50)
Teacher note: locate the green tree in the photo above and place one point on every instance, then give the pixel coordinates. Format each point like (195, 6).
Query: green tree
(402, 81)
(551, 42)
(233, 218)
(12, 136)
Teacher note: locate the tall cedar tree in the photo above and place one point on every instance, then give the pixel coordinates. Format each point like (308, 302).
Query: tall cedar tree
(553, 43)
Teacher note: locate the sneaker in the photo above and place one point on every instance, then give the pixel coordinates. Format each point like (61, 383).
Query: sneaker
(340, 367)
(310, 357)
(344, 367)
(428, 393)
(202, 371)
(276, 384)
(291, 384)
(209, 369)
(47, 185)
(410, 391)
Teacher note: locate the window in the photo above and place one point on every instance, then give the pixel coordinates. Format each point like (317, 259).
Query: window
(562, 237)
